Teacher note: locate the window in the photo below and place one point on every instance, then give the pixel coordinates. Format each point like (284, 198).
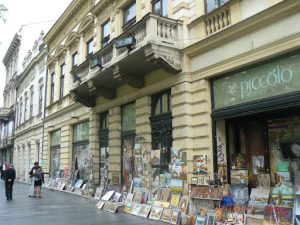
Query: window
(81, 149)
(214, 4)
(62, 79)
(129, 14)
(55, 153)
(105, 33)
(75, 59)
(90, 47)
(160, 7)
(31, 105)
(25, 108)
(41, 98)
(161, 126)
(52, 88)
(20, 111)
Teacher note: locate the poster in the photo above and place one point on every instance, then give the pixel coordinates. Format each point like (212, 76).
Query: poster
(155, 157)
(200, 164)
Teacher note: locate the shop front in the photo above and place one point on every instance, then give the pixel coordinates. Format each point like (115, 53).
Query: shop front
(256, 114)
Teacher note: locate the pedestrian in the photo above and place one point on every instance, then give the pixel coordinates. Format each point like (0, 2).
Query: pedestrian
(38, 181)
(32, 179)
(9, 176)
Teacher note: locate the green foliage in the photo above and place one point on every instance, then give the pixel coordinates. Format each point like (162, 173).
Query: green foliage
(3, 9)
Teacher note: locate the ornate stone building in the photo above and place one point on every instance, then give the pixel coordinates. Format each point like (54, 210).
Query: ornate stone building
(30, 92)
(7, 112)
(156, 73)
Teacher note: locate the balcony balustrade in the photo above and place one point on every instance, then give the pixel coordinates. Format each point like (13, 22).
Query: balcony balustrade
(157, 44)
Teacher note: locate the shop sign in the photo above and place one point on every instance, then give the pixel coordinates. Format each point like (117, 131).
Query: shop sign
(272, 79)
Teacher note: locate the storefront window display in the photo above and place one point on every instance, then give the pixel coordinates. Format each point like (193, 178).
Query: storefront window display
(128, 141)
(55, 154)
(81, 156)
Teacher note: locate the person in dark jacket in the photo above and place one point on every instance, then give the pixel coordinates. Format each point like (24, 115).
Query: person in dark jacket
(10, 176)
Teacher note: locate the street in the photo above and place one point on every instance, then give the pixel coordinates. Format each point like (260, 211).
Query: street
(56, 208)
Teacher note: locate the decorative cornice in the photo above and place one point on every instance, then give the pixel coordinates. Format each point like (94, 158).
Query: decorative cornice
(135, 81)
(15, 43)
(86, 101)
(97, 91)
(168, 58)
(254, 22)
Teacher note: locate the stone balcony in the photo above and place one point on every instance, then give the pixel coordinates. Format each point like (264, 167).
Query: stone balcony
(158, 44)
(4, 114)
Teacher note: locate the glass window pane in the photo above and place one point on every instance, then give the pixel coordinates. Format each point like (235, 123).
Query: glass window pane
(55, 162)
(81, 131)
(129, 13)
(284, 144)
(55, 138)
(165, 103)
(156, 8)
(81, 155)
(157, 108)
(164, 7)
(75, 59)
(128, 117)
(106, 29)
(90, 47)
(211, 5)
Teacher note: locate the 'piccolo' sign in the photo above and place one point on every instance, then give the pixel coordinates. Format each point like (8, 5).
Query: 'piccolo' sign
(272, 79)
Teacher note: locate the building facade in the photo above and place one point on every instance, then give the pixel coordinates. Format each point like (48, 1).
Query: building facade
(30, 92)
(7, 116)
(128, 80)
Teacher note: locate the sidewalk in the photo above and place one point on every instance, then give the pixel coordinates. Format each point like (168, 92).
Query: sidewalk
(57, 207)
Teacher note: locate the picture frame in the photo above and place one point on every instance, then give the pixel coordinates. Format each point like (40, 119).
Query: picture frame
(166, 215)
(124, 196)
(184, 204)
(128, 207)
(194, 180)
(98, 193)
(175, 200)
(211, 218)
(106, 206)
(145, 210)
(116, 197)
(100, 204)
(206, 180)
(200, 220)
(113, 207)
(137, 196)
(200, 180)
(155, 213)
(163, 194)
(175, 218)
(107, 196)
(136, 209)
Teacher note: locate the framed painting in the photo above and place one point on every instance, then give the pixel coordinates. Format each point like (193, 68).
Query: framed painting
(166, 215)
(156, 213)
(145, 210)
(175, 200)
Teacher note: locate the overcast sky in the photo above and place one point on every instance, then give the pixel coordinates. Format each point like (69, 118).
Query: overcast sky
(30, 14)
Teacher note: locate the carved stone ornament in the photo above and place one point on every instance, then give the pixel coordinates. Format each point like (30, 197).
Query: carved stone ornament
(95, 90)
(88, 102)
(168, 58)
(134, 81)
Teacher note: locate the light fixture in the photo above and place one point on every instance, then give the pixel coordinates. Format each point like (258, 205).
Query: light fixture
(95, 61)
(127, 42)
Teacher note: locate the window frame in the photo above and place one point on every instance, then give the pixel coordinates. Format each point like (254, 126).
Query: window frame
(162, 3)
(89, 45)
(52, 87)
(62, 79)
(25, 108)
(131, 21)
(31, 104)
(40, 98)
(75, 56)
(217, 4)
(105, 39)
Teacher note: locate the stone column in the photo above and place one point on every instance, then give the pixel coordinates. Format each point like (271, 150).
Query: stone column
(94, 146)
(114, 159)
